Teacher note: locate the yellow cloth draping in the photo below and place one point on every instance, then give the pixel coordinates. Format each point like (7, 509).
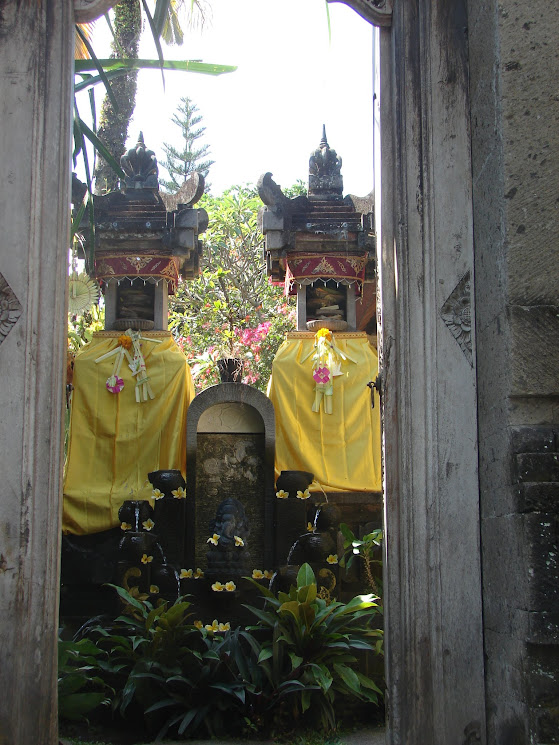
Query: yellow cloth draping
(343, 448)
(115, 441)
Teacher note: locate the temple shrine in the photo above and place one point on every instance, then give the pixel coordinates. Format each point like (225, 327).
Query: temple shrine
(176, 493)
(321, 247)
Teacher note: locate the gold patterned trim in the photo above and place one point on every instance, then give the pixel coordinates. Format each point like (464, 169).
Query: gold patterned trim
(116, 334)
(339, 335)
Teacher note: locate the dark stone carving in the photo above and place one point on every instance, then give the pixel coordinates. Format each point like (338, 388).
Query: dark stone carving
(376, 12)
(169, 514)
(325, 178)
(230, 557)
(457, 314)
(294, 481)
(10, 309)
(140, 167)
(321, 220)
(189, 193)
(166, 481)
(135, 512)
(251, 454)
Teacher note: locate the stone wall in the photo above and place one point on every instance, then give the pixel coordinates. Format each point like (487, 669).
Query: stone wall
(514, 68)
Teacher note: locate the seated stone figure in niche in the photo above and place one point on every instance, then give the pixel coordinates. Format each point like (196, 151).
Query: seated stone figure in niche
(228, 555)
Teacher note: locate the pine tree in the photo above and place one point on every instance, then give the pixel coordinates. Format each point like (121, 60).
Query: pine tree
(181, 163)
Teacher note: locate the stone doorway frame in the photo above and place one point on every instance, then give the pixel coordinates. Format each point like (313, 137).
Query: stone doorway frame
(433, 592)
(433, 605)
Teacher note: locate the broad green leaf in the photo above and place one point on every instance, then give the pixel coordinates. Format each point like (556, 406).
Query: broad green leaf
(291, 607)
(307, 593)
(77, 705)
(296, 661)
(265, 654)
(348, 676)
(204, 68)
(305, 576)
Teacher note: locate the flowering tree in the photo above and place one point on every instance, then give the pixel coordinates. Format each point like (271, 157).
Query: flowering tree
(231, 310)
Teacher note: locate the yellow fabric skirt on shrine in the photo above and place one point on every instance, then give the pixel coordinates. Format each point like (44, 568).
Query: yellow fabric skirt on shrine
(115, 441)
(342, 449)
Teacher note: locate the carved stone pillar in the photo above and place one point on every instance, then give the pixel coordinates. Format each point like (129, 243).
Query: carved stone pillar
(434, 634)
(36, 52)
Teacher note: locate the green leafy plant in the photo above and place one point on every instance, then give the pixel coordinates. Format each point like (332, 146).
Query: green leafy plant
(182, 677)
(231, 309)
(312, 644)
(81, 687)
(362, 549)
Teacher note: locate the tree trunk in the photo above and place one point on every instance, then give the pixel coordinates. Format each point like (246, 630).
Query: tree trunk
(113, 126)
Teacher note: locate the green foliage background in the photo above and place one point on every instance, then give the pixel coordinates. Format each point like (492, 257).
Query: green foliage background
(231, 310)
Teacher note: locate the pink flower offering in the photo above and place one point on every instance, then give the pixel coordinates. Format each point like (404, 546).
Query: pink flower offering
(114, 384)
(321, 375)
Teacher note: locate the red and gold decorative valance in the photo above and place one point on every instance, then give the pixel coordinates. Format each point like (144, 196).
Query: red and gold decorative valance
(118, 266)
(305, 269)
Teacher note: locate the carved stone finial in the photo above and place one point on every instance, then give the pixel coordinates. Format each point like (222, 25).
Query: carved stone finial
(140, 167)
(325, 179)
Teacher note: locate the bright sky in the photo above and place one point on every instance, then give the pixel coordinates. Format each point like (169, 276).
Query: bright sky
(268, 115)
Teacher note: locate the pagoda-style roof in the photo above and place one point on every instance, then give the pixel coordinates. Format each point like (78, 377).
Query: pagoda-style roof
(323, 222)
(134, 224)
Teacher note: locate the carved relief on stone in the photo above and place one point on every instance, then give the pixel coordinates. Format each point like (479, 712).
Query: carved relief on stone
(457, 314)
(377, 12)
(88, 10)
(10, 309)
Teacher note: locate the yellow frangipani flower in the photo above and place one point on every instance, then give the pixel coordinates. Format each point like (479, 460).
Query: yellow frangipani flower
(198, 574)
(154, 590)
(257, 574)
(125, 526)
(148, 524)
(199, 624)
(185, 574)
(213, 627)
(179, 493)
(214, 539)
(310, 528)
(268, 573)
(146, 559)
(303, 494)
(225, 626)
(332, 559)
(157, 494)
(230, 586)
(282, 494)
(218, 587)
(238, 541)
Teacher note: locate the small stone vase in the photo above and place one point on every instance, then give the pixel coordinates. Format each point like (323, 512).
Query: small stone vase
(294, 481)
(166, 481)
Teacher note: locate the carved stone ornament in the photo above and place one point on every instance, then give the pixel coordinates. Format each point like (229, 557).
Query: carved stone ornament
(457, 314)
(10, 309)
(88, 10)
(140, 166)
(377, 12)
